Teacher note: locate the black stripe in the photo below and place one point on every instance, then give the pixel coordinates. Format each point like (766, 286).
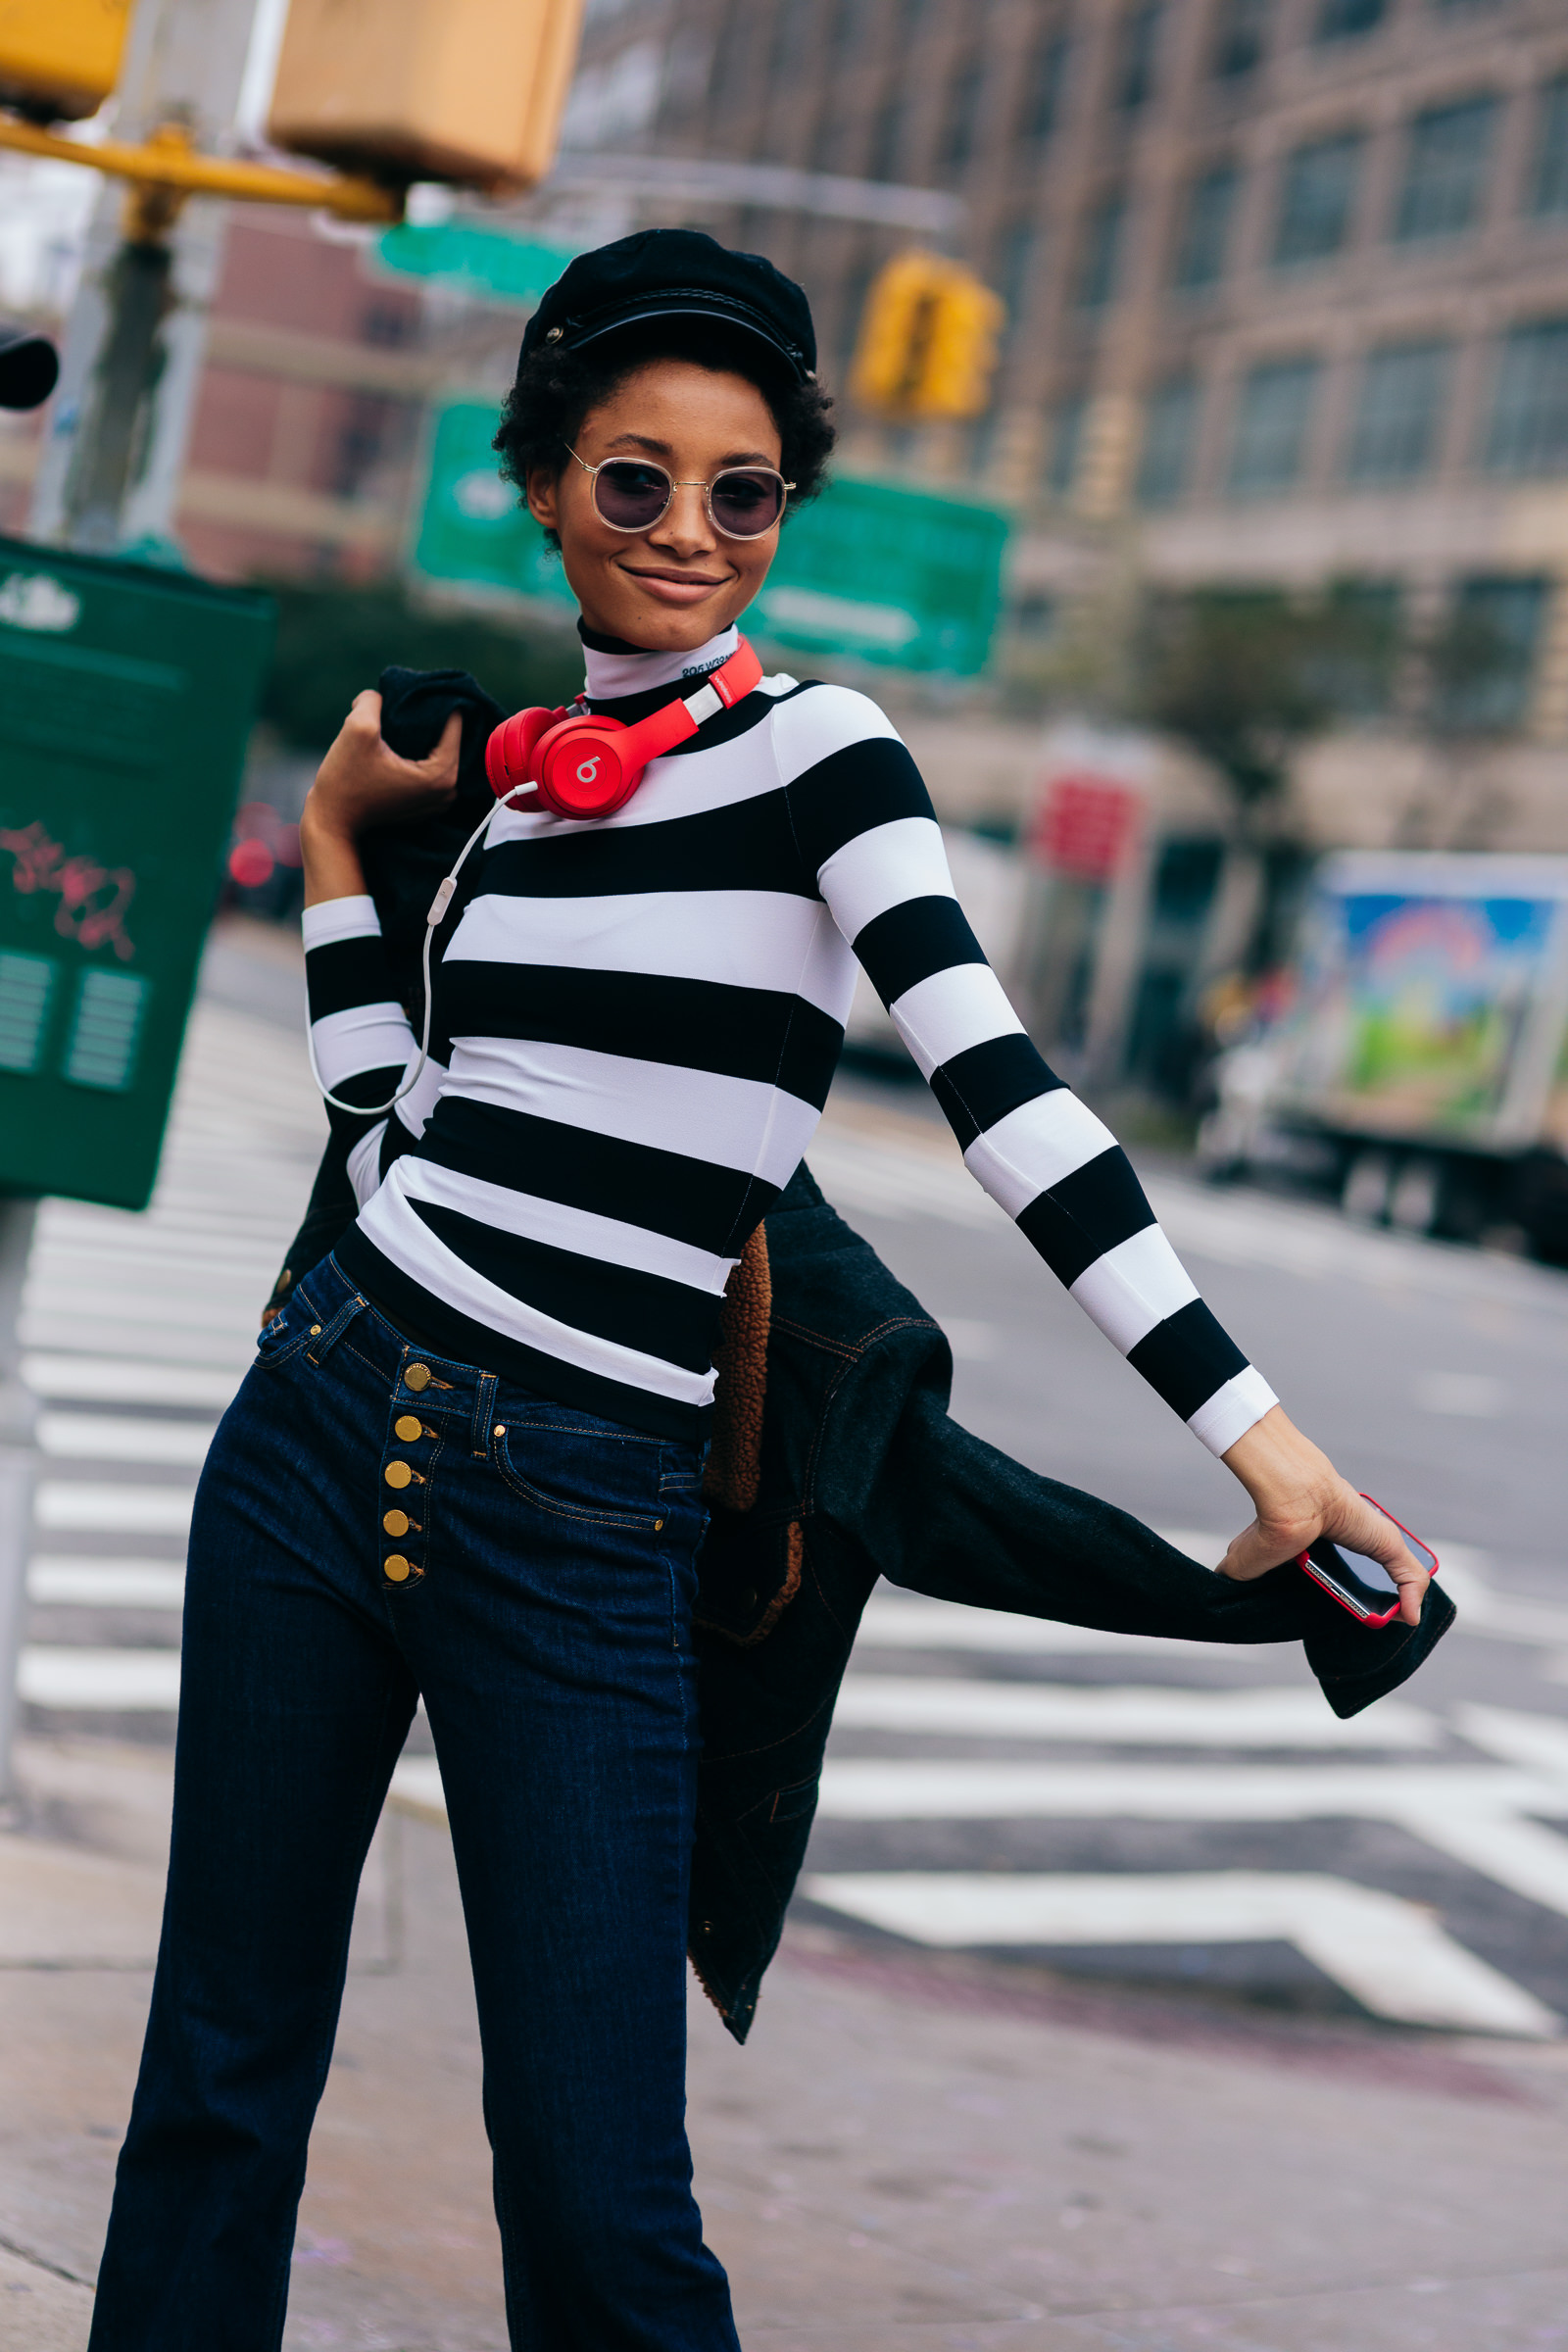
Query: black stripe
(753, 710)
(912, 941)
(747, 845)
(1187, 1357)
(466, 1341)
(689, 1200)
(1085, 1215)
(846, 793)
(755, 1033)
(345, 973)
(982, 1084)
(629, 1308)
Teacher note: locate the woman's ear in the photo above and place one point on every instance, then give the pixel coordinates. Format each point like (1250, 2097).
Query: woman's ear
(543, 496)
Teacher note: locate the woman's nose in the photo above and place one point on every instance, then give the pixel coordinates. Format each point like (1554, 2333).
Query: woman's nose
(684, 526)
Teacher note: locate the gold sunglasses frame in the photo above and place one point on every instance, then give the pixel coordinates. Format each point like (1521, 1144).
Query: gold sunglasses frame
(636, 530)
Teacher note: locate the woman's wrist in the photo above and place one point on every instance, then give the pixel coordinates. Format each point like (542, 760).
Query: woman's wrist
(330, 856)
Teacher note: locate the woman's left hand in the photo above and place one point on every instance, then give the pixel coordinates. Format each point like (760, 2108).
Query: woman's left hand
(1297, 1495)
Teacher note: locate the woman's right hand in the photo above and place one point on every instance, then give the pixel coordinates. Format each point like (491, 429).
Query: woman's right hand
(362, 782)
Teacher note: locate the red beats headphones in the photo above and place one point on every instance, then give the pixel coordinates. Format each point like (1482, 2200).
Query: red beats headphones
(583, 765)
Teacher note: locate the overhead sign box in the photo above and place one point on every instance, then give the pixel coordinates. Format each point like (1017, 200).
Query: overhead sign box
(125, 701)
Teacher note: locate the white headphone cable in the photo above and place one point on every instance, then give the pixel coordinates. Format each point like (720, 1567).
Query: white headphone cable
(438, 906)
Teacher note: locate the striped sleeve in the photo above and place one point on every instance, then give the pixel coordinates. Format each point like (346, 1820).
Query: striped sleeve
(867, 828)
(359, 1034)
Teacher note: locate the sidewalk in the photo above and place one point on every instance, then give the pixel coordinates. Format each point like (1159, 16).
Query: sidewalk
(912, 2153)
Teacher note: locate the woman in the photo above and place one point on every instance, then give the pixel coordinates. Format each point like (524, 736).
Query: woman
(466, 1465)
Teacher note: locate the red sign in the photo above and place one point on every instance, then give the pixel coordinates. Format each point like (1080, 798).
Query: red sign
(1084, 825)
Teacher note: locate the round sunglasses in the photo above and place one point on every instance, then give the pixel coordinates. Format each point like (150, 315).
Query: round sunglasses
(632, 494)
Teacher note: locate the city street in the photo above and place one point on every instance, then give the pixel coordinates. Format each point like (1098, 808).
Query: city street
(1087, 1922)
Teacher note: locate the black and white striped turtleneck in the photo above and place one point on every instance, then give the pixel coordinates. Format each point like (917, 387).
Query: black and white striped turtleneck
(635, 1024)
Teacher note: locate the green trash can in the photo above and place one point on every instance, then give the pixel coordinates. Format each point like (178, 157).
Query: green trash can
(127, 694)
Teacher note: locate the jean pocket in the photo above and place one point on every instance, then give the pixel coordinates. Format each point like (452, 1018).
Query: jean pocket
(290, 1330)
(582, 1474)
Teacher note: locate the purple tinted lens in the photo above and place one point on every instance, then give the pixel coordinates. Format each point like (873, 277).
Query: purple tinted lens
(746, 505)
(629, 496)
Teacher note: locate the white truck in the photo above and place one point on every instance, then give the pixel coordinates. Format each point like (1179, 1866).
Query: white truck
(1423, 1056)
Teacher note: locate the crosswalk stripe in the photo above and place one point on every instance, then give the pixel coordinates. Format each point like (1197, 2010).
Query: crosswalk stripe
(118, 1380)
(65, 1580)
(115, 1679)
(1390, 1953)
(111, 1335)
(107, 1508)
(122, 1437)
(1250, 1718)
(857, 1789)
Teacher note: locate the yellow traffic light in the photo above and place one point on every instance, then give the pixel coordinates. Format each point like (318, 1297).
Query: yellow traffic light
(928, 340)
(59, 59)
(469, 91)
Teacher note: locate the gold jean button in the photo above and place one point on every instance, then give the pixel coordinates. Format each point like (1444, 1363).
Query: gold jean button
(417, 1377)
(408, 1428)
(397, 1474)
(397, 1567)
(397, 1523)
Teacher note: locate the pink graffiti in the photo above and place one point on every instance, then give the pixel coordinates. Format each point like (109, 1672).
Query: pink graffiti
(93, 897)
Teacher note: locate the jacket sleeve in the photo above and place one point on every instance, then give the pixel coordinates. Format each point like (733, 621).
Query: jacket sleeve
(870, 836)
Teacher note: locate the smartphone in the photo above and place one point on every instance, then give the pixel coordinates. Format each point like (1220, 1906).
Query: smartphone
(1356, 1581)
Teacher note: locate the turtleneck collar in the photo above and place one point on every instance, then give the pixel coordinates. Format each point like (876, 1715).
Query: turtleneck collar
(616, 670)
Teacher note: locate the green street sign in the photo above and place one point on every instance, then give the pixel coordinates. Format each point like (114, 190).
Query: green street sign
(480, 261)
(900, 577)
(126, 700)
(473, 528)
(895, 577)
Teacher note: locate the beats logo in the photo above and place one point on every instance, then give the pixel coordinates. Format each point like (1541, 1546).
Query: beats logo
(582, 765)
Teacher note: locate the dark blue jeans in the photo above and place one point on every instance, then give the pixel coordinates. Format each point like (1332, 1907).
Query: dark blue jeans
(373, 1525)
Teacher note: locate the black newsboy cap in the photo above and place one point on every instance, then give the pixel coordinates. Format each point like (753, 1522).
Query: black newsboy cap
(675, 273)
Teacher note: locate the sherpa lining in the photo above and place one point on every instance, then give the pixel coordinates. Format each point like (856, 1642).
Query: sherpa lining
(734, 1472)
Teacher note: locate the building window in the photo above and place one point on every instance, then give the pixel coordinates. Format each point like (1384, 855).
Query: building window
(1317, 198)
(1017, 268)
(1400, 414)
(1347, 20)
(850, 26)
(1241, 30)
(1445, 169)
(1527, 430)
(1170, 430)
(1484, 662)
(1202, 246)
(1353, 650)
(1272, 417)
(1044, 83)
(1548, 177)
(963, 109)
(1137, 55)
(1100, 255)
(887, 140)
(1066, 444)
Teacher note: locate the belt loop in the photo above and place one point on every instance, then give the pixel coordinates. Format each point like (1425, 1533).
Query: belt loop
(484, 1404)
(323, 1341)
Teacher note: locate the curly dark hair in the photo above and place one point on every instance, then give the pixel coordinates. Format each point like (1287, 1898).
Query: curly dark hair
(555, 389)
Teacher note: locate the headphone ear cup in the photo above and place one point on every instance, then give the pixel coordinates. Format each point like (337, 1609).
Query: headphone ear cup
(509, 754)
(580, 770)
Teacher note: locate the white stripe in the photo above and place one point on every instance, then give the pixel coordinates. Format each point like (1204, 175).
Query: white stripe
(824, 719)
(863, 1789)
(1035, 1146)
(950, 1012)
(692, 784)
(114, 1509)
(395, 1228)
(124, 1438)
(561, 1227)
(365, 1163)
(112, 1380)
(885, 868)
(56, 1580)
(117, 1679)
(354, 917)
(1390, 1953)
(707, 703)
(414, 1111)
(1133, 1287)
(739, 1123)
(1232, 1410)
(363, 1037)
(1133, 1715)
(738, 938)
